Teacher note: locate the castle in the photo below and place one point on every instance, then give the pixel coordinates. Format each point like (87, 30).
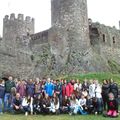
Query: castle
(73, 44)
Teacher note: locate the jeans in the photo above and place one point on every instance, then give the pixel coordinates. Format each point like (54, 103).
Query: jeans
(78, 109)
(99, 105)
(1, 105)
(7, 102)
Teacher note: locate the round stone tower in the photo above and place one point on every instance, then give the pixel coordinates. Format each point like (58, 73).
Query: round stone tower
(72, 17)
(69, 39)
(15, 27)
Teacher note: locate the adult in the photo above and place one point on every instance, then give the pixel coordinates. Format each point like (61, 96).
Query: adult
(105, 92)
(9, 84)
(17, 104)
(49, 88)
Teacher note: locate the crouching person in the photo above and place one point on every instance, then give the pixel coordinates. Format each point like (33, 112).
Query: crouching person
(75, 106)
(27, 105)
(45, 104)
(65, 108)
(112, 105)
(54, 105)
(17, 104)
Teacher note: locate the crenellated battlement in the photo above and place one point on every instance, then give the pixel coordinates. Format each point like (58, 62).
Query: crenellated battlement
(20, 17)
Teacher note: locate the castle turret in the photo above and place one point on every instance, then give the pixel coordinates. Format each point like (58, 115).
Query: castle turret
(71, 16)
(70, 32)
(14, 27)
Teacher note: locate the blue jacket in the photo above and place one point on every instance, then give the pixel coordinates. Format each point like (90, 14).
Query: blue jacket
(49, 89)
(2, 91)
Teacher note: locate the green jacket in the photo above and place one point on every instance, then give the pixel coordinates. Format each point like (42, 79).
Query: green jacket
(8, 85)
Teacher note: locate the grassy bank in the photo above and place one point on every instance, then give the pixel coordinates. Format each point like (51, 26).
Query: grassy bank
(99, 76)
(55, 117)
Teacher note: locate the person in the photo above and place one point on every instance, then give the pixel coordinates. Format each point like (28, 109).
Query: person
(27, 104)
(91, 89)
(49, 88)
(9, 84)
(89, 105)
(21, 88)
(105, 92)
(54, 104)
(45, 104)
(77, 87)
(38, 87)
(2, 92)
(98, 96)
(37, 103)
(65, 105)
(75, 107)
(30, 88)
(85, 85)
(82, 102)
(17, 104)
(114, 88)
(112, 105)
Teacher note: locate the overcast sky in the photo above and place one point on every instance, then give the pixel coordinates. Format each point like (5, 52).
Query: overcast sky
(104, 11)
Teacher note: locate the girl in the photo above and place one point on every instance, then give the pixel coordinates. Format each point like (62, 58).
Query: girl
(54, 105)
(112, 106)
(65, 105)
(27, 104)
(75, 106)
(21, 88)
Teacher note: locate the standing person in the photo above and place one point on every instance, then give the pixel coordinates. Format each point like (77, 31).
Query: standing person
(21, 88)
(2, 92)
(64, 88)
(58, 90)
(77, 87)
(38, 87)
(85, 85)
(30, 88)
(92, 89)
(98, 96)
(49, 88)
(105, 92)
(9, 84)
(114, 88)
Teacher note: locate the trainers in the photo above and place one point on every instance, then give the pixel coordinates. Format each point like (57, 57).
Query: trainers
(26, 113)
(1, 113)
(96, 113)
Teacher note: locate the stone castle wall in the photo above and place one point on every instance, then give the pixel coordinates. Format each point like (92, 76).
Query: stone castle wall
(71, 45)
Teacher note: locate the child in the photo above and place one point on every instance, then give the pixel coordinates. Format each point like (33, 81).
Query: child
(112, 106)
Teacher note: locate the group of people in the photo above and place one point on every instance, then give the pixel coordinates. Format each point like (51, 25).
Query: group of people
(46, 96)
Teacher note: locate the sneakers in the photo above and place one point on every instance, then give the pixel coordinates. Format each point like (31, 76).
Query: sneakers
(96, 113)
(26, 113)
(1, 113)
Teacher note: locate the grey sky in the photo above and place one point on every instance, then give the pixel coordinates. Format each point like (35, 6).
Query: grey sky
(104, 11)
